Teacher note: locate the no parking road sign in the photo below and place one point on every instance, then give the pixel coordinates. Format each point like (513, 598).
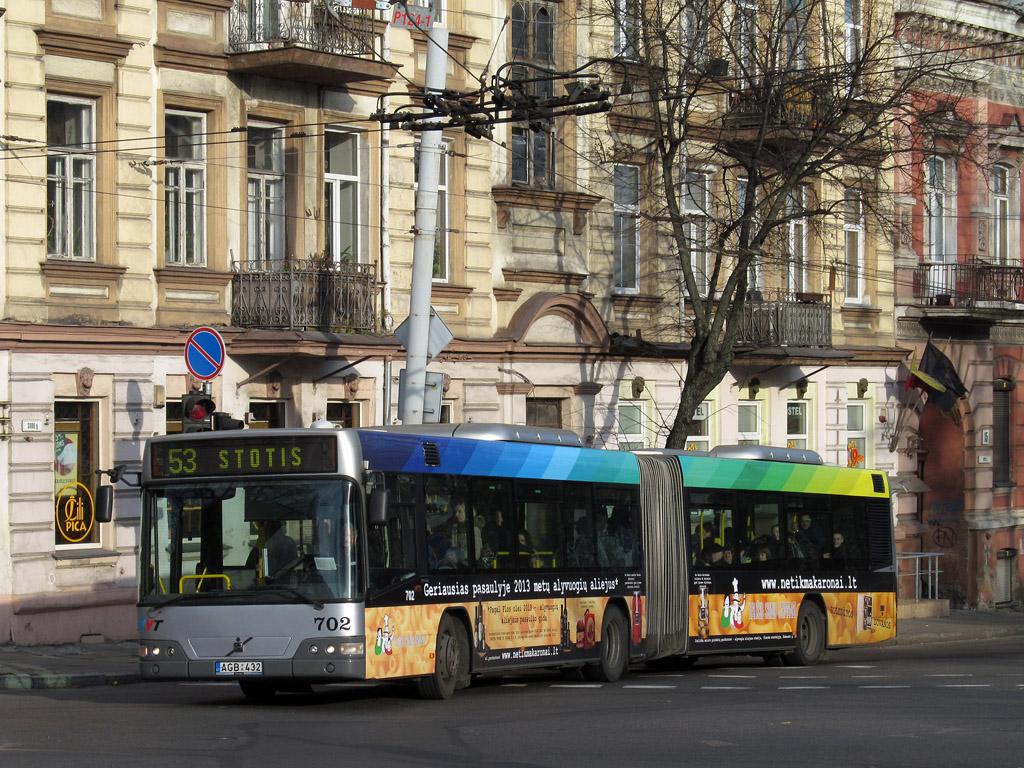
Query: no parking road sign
(204, 353)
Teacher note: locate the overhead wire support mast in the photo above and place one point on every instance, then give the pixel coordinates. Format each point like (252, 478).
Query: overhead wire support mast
(431, 147)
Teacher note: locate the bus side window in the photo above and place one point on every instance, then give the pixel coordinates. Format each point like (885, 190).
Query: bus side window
(538, 536)
(491, 502)
(847, 548)
(579, 526)
(615, 527)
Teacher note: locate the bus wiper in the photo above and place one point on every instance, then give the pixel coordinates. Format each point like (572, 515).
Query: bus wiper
(317, 604)
(154, 609)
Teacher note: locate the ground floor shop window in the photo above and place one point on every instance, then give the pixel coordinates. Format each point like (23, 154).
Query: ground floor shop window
(268, 414)
(75, 457)
(343, 414)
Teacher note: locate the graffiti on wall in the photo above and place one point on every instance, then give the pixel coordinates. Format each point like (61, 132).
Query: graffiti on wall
(943, 519)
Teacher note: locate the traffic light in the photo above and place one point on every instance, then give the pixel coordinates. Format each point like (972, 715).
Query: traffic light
(197, 412)
(223, 421)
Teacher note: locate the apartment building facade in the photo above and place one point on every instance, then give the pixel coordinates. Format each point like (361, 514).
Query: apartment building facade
(171, 164)
(959, 285)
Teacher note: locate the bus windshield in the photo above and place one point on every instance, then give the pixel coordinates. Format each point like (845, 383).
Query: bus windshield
(236, 539)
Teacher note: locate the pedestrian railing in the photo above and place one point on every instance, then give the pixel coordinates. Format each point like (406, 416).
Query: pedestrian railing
(923, 568)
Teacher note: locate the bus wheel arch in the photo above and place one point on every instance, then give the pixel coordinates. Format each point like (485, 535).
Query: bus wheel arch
(451, 660)
(811, 635)
(614, 646)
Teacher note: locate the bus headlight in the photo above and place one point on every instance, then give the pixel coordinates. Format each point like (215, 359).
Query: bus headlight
(335, 647)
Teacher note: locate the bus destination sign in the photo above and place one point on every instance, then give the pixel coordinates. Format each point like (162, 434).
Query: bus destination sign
(249, 455)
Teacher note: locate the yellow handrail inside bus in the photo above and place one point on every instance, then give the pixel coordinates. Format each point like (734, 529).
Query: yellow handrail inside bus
(200, 577)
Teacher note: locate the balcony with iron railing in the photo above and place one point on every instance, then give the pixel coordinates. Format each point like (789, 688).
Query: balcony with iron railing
(786, 320)
(307, 41)
(967, 284)
(312, 295)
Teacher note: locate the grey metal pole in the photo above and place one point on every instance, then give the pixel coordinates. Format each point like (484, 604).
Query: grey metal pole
(423, 246)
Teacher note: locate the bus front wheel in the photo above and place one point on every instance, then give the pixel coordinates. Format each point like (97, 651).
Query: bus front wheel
(810, 637)
(614, 652)
(451, 662)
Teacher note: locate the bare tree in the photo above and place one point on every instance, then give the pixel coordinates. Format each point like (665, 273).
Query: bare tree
(757, 115)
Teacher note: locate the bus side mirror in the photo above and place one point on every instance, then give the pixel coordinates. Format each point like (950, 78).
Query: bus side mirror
(380, 502)
(104, 503)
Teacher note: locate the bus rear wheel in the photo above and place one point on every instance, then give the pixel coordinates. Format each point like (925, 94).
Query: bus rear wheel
(451, 662)
(810, 637)
(614, 652)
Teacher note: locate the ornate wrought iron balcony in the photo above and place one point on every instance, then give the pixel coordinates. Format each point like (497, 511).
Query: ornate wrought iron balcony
(303, 40)
(787, 320)
(313, 295)
(969, 284)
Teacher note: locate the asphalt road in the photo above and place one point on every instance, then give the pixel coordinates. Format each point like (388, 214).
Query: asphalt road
(947, 704)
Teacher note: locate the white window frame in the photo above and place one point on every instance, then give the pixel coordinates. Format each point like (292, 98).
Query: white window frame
(185, 198)
(752, 437)
(755, 276)
(695, 33)
(853, 35)
(1002, 195)
(532, 148)
(635, 440)
(796, 235)
(702, 416)
(627, 28)
(337, 187)
(71, 189)
(697, 225)
(626, 208)
(857, 438)
(796, 35)
(940, 221)
(792, 438)
(746, 41)
(853, 245)
(440, 12)
(266, 211)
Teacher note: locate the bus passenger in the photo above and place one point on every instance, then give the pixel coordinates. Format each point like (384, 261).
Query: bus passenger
(609, 553)
(777, 547)
(527, 552)
(581, 549)
(714, 555)
(840, 549)
(620, 527)
(495, 540)
(274, 550)
(810, 537)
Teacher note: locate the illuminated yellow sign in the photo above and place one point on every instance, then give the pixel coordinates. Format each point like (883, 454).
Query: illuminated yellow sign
(75, 512)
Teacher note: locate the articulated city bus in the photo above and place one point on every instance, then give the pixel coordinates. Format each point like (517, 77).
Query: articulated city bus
(285, 558)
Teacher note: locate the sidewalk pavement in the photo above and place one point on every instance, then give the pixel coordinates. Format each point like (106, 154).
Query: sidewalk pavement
(88, 664)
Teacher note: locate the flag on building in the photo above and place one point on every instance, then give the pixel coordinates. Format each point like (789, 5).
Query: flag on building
(937, 376)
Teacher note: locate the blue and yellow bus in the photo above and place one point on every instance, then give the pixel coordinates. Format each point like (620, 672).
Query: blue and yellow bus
(286, 558)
